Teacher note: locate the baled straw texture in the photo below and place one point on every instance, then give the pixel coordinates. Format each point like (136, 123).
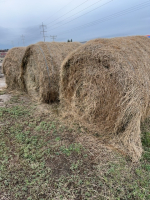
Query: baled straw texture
(12, 67)
(41, 69)
(105, 84)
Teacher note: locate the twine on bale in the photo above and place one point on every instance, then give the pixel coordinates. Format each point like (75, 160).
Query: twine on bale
(50, 58)
(105, 85)
(46, 66)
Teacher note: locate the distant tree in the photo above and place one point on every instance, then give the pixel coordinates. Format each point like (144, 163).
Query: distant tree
(71, 40)
(68, 41)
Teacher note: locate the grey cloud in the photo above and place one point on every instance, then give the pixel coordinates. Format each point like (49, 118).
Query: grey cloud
(24, 17)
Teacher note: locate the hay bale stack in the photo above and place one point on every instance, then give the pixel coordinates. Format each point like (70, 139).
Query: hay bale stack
(41, 69)
(105, 84)
(12, 67)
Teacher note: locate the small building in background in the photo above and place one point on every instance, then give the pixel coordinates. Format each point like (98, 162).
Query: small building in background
(3, 54)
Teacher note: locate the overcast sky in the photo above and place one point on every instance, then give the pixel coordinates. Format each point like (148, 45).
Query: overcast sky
(79, 20)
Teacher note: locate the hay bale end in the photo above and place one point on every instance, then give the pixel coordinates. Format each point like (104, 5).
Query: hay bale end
(12, 67)
(41, 69)
(105, 84)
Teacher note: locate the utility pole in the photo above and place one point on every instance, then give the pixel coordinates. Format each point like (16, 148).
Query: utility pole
(12, 43)
(53, 37)
(43, 30)
(23, 39)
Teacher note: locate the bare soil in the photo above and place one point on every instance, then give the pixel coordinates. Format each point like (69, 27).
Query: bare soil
(2, 83)
(0, 68)
(3, 97)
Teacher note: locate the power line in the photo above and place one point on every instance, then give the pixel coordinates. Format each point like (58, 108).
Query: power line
(69, 11)
(43, 30)
(30, 37)
(109, 17)
(53, 37)
(83, 14)
(66, 13)
(44, 26)
(78, 12)
(59, 10)
(23, 39)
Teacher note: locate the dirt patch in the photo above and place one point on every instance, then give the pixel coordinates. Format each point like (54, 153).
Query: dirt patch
(0, 68)
(2, 83)
(4, 97)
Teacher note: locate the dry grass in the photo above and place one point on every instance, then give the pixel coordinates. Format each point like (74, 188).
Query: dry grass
(41, 69)
(105, 85)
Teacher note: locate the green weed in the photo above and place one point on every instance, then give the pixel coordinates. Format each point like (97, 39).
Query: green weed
(41, 159)
(71, 148)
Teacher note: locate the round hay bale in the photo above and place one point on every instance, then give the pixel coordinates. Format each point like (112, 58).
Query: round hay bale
(41, 69)
(105, 84)
(12, 67)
